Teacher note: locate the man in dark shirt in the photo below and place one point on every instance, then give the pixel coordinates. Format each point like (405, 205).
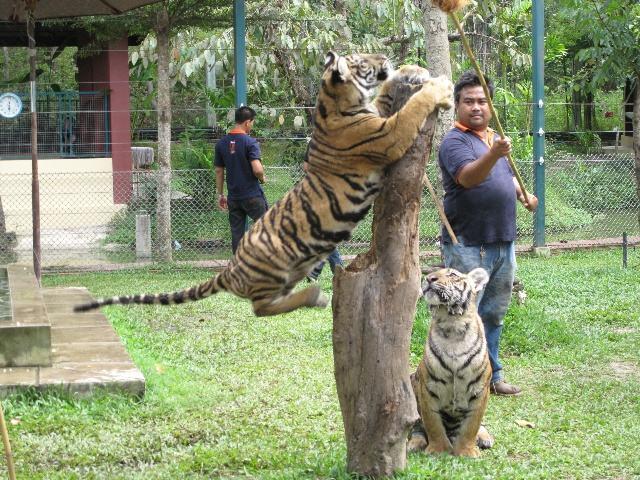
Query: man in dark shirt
(480, 203)
(239, 155)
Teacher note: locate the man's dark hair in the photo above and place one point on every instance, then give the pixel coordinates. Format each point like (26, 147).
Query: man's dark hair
(470, 79)
(245, 113)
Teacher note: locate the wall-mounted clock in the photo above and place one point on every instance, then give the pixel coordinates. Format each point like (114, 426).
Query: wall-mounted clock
(10, 105)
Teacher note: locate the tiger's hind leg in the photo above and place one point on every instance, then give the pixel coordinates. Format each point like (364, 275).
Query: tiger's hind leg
(309, 297)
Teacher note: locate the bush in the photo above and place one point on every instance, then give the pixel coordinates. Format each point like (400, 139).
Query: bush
(596, 187)
(194, 154)
(190, 225)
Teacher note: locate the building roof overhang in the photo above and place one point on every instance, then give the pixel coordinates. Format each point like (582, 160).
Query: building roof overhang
(48, 35)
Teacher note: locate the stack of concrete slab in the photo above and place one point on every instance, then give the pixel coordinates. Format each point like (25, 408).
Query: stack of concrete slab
(45, 344)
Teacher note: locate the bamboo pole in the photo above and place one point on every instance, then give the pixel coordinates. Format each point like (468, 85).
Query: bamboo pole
(476, 66)
(7, 445)
(443, 216)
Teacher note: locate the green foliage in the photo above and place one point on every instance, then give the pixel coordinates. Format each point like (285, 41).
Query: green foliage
(589, 142)
(55, 68)
(594, 187)
(192, 225)
(611, 49)
(192, 151)
(514, 106)
(287, 153)
(522, 147)
(560, 214)
(193, 155)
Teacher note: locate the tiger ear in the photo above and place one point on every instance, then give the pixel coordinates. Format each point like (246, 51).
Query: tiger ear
(338, 65)
(479, 278)
(330, 59)
(342, 68)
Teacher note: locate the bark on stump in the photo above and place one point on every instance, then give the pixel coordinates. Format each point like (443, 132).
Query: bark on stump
(374, 305)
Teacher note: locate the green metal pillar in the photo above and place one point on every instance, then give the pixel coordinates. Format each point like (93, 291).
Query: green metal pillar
(239, 52)
(538, 119)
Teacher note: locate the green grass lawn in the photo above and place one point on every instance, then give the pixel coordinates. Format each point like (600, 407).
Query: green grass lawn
(233, 396)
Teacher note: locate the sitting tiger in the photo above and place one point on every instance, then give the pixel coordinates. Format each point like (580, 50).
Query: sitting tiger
(351, 144)
(452, 380)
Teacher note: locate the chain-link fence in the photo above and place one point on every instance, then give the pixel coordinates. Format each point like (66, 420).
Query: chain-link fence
(590, 199)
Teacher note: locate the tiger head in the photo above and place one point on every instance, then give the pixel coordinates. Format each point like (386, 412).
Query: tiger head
(455, 290)
(362, 71)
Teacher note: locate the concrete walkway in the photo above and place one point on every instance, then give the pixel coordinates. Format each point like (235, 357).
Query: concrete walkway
(86, 352)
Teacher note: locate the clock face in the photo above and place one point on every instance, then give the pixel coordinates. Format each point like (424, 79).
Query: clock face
(10, 105)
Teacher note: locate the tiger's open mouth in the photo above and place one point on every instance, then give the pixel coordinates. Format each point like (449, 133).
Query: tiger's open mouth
(433, 293)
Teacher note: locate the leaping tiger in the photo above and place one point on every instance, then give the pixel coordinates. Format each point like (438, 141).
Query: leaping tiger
(351, 144)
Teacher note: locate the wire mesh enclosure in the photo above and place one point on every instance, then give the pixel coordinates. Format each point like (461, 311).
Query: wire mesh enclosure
(70, 124)
(592, 199)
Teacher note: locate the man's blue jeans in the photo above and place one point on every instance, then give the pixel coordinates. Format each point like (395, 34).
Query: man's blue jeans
(334, 259)
(499, 260)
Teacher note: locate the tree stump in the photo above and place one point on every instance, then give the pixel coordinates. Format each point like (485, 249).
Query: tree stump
(374, 304)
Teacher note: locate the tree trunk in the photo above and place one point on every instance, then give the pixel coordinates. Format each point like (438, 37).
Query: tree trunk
(588, 111)
(576, 103)
(374, 305)
(436, 40)
(636, 136)
(163, 207)
(577, 110)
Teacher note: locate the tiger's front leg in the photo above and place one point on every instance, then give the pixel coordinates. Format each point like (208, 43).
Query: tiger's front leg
(466, 443)
(397, 133)
(411, 74)
(309, 297)
(428, 408)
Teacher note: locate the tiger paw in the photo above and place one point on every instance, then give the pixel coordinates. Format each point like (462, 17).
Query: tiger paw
(484, 439)
(442, 90)
(316, 298)
(412, 74)
(470, 451)
(322, 301)
(437, 448)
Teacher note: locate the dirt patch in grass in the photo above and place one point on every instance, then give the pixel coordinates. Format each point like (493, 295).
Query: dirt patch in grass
(624, 330)
(623, 370)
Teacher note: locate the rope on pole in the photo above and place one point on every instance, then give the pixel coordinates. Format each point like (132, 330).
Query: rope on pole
(443, 216)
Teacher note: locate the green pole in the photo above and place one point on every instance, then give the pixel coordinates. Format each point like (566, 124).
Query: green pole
(239, 52)
(538, 119)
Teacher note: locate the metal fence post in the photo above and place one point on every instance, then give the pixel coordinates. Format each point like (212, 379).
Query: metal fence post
(538, 120)
(239, 52)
